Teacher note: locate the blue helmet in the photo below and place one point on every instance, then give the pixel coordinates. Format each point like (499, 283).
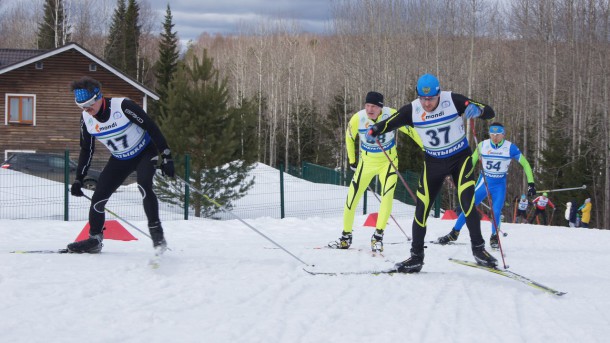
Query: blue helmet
(428, 85)
(522, 196)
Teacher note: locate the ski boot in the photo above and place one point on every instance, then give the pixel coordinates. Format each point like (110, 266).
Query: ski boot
(448, 238)
(482, 257)
(493, 241)
(377, 241)
(91, 245)
(156, 233)
(344, 242)
(413, 264)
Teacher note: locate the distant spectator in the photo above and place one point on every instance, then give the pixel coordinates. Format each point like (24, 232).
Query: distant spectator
(585, 209)
(571, 213)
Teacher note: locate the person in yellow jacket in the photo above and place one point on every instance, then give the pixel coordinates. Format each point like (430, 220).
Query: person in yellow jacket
(585, 209)
(372, 162)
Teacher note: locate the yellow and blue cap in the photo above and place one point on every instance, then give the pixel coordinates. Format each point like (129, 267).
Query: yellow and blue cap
(428, 85)
(496, 129)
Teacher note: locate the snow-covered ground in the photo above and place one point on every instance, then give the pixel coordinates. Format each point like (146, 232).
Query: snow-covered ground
(223, 282)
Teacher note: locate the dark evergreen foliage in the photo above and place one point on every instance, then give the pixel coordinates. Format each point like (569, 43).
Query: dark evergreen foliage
(166, 66)
(113, 52)
(558, 170)
(132, 39)
(53, 30)
(121, 49)
(221, 140)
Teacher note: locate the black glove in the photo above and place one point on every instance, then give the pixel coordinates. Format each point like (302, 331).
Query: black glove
(531, 189)
(373, 131)
(167, 163)
(353, 166)
(76, 190)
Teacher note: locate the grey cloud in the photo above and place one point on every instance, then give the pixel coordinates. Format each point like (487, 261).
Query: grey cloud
(194, 17)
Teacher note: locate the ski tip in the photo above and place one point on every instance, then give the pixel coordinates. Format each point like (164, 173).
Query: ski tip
(59, 251)
(309, 271)
(154, 263)
(365, 272)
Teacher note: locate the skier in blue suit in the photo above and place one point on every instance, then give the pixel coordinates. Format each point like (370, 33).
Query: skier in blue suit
(496, 154)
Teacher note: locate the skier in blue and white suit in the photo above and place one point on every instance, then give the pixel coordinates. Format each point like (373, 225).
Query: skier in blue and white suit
(134, 141)
(496, 155)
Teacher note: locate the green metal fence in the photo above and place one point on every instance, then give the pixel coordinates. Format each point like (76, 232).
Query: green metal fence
(302, 191)
(319, 174)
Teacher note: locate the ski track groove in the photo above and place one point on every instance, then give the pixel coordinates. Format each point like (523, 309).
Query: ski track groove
(429, 334)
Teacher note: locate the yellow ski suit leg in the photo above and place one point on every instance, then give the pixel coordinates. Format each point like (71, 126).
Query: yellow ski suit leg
(362, 178)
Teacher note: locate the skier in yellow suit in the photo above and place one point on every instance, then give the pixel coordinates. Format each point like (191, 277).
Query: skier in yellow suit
(372, 162)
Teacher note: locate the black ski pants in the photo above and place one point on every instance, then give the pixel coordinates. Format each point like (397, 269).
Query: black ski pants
(113, 175)
(461, 170)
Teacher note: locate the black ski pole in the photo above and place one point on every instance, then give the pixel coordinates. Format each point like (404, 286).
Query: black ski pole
(497, 229)
(221, 207)
(562, 189)
(391, 216)
(397, 172)
(125, 221)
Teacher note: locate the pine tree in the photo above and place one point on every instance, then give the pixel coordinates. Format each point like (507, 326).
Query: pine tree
(197, 120)
(123, 39)
(53, 30)
(132, 38)
(167, 64)
(560, 169)
(115, 46)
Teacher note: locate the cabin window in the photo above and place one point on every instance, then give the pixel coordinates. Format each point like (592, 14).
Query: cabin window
(92, 67)
(20, 109)
(39, 65)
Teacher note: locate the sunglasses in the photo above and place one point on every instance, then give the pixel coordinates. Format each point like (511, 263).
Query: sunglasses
(87, 105)
(427, 98)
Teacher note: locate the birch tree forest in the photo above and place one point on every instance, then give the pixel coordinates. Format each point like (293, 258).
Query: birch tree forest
(543, 65)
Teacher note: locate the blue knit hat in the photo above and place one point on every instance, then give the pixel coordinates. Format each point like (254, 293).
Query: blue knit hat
(428, 85)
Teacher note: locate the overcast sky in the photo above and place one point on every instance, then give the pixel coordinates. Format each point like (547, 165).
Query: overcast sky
(194, 17)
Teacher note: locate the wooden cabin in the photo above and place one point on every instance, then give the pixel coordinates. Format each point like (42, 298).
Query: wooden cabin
(37, 106)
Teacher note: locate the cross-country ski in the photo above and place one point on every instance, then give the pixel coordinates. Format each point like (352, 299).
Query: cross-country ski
(511, 275)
